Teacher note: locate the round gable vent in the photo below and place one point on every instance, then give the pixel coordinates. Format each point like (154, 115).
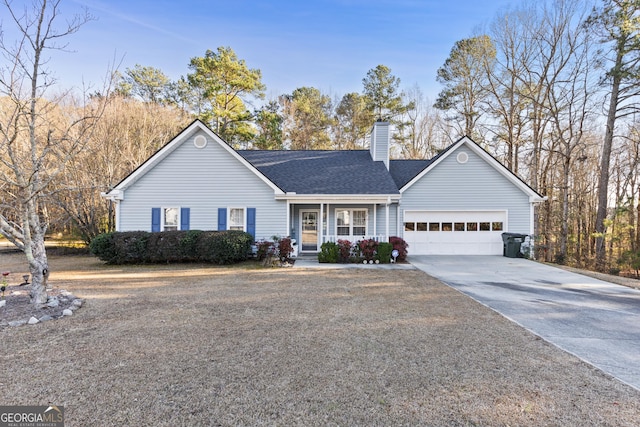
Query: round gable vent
(200, 141)
(462, 157)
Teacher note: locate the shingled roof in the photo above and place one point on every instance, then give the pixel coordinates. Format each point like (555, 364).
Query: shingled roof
(403, 171)
(323, 172)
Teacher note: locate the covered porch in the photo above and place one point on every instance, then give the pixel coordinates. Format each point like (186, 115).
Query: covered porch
(312, 222)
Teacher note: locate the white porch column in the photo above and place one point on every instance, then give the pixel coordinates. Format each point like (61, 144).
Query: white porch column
(288, 233)
(375, 220)
(321, 223)
(116, 204)
(386, 207)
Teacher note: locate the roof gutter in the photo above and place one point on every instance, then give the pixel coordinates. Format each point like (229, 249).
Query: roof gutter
(343, 198)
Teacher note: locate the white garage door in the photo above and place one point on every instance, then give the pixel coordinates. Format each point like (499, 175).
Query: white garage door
(454, 232)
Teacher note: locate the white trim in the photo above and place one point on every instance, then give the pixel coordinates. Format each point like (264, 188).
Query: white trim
(318, 230)
(387, 220)
(163, 219)
(117, 209)
(351, 210)
(288, 218)
(152, 161)
(339, 198)
(244, 217)
(375, 219)
(200, 141)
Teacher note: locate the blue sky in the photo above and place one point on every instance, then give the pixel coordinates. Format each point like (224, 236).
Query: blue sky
(328, 44)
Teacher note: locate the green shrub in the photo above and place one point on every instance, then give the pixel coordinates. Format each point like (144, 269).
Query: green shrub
(328, 252)
(102, 247)
(384, 252)
(130, 247)
(139, 247)
(187, 245)
(224, 247)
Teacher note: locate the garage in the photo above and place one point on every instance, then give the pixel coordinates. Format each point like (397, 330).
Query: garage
(454, 232)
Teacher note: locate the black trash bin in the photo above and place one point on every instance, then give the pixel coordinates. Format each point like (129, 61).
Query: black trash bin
(512, 242)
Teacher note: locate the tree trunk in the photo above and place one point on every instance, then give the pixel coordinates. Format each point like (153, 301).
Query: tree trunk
(603, 181)
(39, 269)
(564, 226)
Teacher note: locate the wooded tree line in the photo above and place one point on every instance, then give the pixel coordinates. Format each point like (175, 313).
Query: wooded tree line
(550, 89)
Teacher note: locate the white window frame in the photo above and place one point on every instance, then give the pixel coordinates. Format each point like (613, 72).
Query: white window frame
(351, 217)
(244, 218)
(163, 219)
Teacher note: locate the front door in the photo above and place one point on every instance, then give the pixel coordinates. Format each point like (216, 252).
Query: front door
(309, 225)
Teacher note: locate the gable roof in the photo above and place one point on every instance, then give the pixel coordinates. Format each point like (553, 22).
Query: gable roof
(197, 125)
(323, 171)
(534, 196)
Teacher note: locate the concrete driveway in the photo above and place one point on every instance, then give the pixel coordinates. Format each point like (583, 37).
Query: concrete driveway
(597, 321)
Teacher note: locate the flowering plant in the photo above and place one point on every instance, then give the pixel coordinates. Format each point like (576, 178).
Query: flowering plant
(344, 250)
(368, 248)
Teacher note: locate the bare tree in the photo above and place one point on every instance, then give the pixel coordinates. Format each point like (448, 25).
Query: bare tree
(39, 135)
(618, 24)
(419, 134)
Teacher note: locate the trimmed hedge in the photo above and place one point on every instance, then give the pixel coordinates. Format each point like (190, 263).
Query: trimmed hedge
(329, 252)
(142, 247)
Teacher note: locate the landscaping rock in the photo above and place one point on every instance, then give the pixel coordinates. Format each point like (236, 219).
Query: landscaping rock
(76, 303)
(33, 320)
(3, 303)
(17, 322)
(53, 302)
(67, 312)
(46, 318)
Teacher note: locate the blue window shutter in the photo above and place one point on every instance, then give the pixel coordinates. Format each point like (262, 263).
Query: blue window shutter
(155, 219)
(184, 218)
(222, 219)
(251, 221)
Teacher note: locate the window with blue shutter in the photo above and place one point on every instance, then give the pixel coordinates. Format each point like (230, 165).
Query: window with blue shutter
(222, 219)
(184, 218)
(155, 219)
(251, 221)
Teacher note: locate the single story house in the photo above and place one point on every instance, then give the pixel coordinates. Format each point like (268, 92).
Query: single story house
(459, 202)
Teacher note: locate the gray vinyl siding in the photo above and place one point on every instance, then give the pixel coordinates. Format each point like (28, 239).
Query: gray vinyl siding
(380, 143)
(474, 185)
(381, 221)
(203, 180)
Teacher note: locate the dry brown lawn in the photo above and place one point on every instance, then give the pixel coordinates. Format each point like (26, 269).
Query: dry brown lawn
(202, 345)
